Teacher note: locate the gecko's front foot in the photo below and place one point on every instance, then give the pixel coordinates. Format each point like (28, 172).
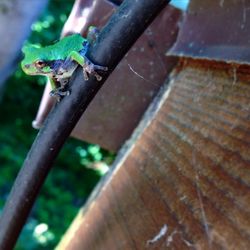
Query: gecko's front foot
(90, 68)
(59, 93)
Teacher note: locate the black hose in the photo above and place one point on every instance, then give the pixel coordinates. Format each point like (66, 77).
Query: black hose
(122, 30)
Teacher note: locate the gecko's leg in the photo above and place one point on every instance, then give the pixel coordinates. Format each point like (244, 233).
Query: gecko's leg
(64, 82)
(59, 92)
(89, 68)
(53, 83)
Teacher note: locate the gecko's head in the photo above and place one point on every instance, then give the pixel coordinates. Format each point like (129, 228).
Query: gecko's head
(33, 62)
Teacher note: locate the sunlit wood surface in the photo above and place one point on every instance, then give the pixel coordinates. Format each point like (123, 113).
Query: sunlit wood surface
(183, 183)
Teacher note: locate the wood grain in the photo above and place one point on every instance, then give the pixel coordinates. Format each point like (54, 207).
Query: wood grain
(183, 183)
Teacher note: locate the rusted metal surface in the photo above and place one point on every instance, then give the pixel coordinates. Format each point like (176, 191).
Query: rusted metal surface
(216, 30)
(119, 105)
(184, 180)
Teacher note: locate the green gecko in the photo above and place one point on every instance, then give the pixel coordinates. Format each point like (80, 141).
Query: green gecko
(59, 61)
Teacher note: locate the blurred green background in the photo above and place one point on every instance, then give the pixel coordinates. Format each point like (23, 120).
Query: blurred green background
(74, 174)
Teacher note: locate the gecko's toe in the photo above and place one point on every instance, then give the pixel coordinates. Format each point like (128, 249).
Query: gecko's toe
(58, 94)
(98, 67)
(55, 95)
(85, 74)
(98, 77)
(105, 69)
(52, 93)
(86, 78)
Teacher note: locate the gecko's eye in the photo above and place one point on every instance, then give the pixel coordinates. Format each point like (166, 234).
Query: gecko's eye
(40, 64)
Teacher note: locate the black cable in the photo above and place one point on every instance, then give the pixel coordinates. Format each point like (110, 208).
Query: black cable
(122, 30)
(115, 2)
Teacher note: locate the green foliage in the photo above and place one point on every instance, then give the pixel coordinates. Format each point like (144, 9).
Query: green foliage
(74, 174)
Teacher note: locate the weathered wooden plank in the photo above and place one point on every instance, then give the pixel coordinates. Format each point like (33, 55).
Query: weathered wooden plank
(183, 183)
